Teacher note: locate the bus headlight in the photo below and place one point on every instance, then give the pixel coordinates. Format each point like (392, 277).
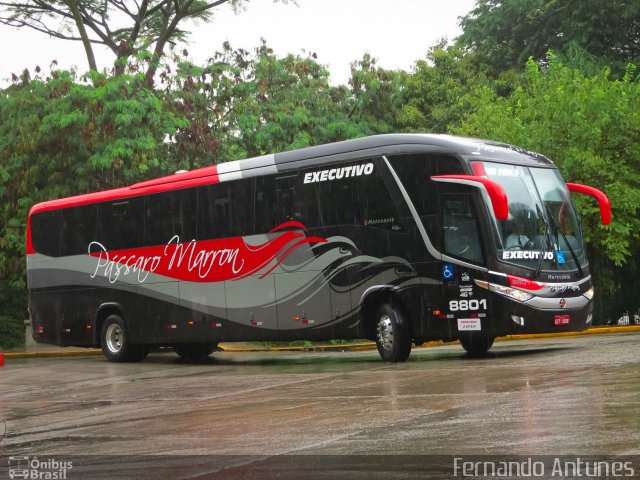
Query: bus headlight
(589, 293)
(513, 293)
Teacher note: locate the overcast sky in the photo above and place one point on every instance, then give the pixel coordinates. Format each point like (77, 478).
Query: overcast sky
(396, 32)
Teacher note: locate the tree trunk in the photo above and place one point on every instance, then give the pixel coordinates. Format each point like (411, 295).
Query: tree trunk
(88, 49)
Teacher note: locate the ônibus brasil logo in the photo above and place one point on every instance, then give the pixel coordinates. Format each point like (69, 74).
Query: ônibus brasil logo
(33, 468)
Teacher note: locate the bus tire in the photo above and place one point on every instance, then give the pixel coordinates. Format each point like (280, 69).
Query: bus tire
(476, 345)
(195, 352)
(115, 344)
(393, 338)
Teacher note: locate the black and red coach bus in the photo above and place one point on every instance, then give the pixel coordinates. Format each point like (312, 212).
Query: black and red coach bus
(395, 238)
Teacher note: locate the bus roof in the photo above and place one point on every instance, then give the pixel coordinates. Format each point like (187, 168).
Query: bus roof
(291, 160)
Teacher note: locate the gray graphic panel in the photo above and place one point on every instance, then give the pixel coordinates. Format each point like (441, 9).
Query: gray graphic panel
(251, 301)
(309, 306)
(210, 296)
(341, 293)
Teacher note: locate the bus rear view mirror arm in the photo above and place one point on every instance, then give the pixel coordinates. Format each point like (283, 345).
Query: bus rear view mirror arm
(495, 191)
(603, 200)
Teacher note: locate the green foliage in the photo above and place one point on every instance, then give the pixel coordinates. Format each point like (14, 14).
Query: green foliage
(245, 104)
(508, 32)
(376, 97)
(62, 137)
(280, 103)
(442, 90)
(590, 126)
(11, 332)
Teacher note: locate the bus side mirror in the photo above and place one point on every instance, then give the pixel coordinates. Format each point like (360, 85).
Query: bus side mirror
(603, 201)
(494, 190)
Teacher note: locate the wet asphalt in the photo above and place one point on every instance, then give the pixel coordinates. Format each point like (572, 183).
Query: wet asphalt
(546, 397)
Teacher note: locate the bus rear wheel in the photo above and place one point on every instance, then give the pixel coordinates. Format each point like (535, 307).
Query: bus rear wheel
(476, 345)
(115, 343)
(195, 352)
(393, 338)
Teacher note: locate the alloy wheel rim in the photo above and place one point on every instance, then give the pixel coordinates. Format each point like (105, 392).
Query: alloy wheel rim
(114, 338)
(385, 332)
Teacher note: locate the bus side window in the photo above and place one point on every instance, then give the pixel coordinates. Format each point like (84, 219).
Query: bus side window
(415, 172)
(266, 210)
(168, 214)
(339, 202)
(296, 202)
(79, 229)
(354, 200)
(377, 209)
(285, 199)
(225, 210)
(461, 236)
(185, 210)
(158, 222)
(121, 223)
(213, 212)
(44, 226)
(240, 215)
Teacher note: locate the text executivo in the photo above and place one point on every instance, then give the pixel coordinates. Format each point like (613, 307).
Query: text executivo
(338, 173)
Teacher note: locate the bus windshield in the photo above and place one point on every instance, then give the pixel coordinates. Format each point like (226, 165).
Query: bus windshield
(542, 231)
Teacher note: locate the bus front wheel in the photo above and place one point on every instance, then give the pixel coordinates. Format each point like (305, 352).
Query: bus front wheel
(393, 338)
(115, 343)
(476, 345)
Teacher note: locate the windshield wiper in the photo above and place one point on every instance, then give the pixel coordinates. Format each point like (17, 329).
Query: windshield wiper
(549, 247)
(557, 228)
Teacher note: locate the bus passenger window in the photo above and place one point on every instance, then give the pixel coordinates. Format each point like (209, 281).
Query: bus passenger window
(79, 229)
(168, 214)
(46, 228)
(121, 223)
(265, 204)
(225, 210)
(352, 200)
(415, 172)
(295, 201)
(461, 236)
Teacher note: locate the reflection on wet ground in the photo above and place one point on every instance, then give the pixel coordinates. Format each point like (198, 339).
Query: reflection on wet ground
(543, 397)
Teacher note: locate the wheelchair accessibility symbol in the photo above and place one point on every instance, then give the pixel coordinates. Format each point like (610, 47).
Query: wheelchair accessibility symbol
(448, 271)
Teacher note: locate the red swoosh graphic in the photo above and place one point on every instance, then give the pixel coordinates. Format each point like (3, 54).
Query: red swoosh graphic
(203, 261)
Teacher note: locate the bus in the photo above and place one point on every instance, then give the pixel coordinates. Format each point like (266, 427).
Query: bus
(398, 238)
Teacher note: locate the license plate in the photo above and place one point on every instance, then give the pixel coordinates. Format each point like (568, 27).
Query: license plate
(469, 324)
(560, 320)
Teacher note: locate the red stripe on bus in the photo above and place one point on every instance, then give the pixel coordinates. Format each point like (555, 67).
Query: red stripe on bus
(185, 176)
(29, 241)
(182, 180)
(203, 261)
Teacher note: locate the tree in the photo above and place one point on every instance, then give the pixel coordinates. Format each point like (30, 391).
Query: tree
(508, 32)
(590, 126)
(62, 137)
(375, 98)
(126, 27)
(249, 103)
(441, 90)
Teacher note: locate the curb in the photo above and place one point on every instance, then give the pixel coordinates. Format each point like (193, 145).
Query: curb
(85, 352)
(332, 348)
(589, 331)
